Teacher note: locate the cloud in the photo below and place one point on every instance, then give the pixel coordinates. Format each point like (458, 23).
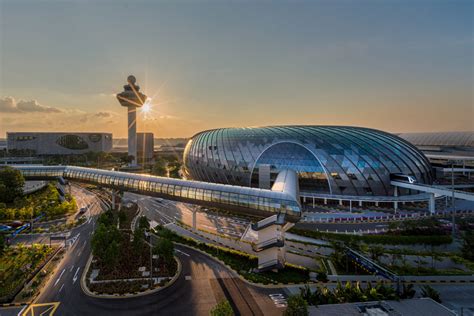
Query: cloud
(104, 114)
(10, 105)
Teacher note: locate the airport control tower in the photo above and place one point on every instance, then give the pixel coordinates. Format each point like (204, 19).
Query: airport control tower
(131, 97)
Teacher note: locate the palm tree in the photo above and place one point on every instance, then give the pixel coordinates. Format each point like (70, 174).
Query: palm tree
(428, 291)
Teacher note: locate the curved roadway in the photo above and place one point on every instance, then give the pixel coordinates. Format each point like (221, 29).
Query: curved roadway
(202, 283)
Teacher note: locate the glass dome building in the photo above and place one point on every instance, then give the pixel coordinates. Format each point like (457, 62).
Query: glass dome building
(336, 160)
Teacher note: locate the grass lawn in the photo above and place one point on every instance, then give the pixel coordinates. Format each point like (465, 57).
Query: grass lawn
(17, 264)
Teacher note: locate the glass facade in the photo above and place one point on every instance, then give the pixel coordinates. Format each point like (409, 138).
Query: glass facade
(339, 160)
(241, 198)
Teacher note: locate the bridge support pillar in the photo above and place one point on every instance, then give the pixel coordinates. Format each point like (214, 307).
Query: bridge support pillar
(194, 220)
(432, 204)
(395, 203)
(350, 206)
(360, 203)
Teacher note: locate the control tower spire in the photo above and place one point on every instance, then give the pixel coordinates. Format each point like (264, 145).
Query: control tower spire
(132, 98)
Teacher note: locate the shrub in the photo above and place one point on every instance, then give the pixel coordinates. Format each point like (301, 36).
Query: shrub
(223, 308)
(297, 306)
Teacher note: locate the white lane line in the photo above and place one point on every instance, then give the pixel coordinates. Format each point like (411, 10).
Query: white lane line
(71, 268)
(61, 288)
(55, 283)
(74, 279)
(182, 252)
(79, 253)
(21, 311)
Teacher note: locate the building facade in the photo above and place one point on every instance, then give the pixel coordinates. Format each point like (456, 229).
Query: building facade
(43, 144)
(333, 160)
(145, 146)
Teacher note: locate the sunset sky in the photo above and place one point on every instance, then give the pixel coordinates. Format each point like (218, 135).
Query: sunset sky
(399, 66)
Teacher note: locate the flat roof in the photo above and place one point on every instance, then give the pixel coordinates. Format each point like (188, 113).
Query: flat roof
(411, 307)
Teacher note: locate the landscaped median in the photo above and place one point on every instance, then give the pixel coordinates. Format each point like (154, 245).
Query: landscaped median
(124, 288)
(123, 262)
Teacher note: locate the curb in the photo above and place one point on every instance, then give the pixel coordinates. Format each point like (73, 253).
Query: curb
(89, 293)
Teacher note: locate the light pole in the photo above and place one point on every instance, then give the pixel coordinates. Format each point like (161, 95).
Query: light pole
(453, 208)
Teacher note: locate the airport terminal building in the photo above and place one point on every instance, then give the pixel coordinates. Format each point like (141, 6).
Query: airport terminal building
(52, 143)
(339, 162)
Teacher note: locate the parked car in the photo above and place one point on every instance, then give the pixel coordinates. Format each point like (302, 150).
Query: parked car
(16, 224)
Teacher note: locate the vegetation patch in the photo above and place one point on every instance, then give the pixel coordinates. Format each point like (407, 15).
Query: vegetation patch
(45, 201)
(385, 239)
(123, 254)
(17, 265)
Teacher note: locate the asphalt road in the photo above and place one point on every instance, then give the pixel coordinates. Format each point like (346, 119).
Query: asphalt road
(164, 212)
(202, 283)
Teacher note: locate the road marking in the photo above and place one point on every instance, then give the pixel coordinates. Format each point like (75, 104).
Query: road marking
(74, 279)
(187, 278)
(61, 288)
(279, 300)
(71, 268)
(55, 283)
(41, 309)
(182, 252)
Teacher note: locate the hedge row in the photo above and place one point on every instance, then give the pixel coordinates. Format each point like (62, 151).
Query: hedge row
(434, 240)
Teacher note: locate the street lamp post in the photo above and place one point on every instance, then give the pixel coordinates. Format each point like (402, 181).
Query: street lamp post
(453, 208)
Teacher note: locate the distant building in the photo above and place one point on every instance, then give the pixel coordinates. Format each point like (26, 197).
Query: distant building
(145, 146)
(412, 307)
(53, 143)
(454, 143)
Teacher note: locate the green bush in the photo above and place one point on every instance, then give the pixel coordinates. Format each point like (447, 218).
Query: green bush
(434, 240)
(223, 308)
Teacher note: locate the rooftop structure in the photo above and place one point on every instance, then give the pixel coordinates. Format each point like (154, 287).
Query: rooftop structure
(57, 143)
(334, 160)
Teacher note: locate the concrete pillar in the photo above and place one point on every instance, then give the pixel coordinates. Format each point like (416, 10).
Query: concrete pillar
(113, 199)
(264, 176)
(432, 204)
(132, 133)
(350, 206)
(395, 204)
(376, 203)
(313, 202)
(340, 202)
(325, 201)
(194, 220)
(360, 203)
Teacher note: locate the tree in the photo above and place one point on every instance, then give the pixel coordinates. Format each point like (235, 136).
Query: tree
(143, 223)
(112, 253)
(428, 291)
(159, 168)
(2, 244)
(223, 308)
(297, 306)
(11, 184)
(408, 291)
(165, 249)
(322, 276)
(138, 241)
(102, 240)
(467, 249)
(376, 252)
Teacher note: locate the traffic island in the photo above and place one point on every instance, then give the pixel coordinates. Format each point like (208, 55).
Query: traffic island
(124, 288)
